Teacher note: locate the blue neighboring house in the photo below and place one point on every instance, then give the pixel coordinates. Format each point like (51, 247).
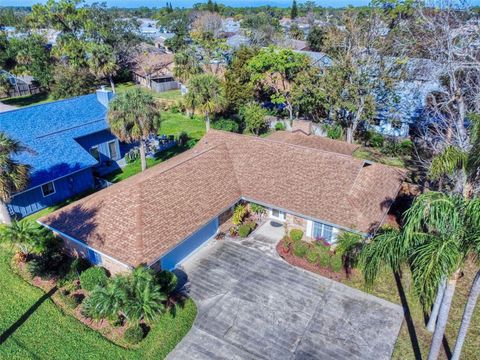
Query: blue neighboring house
(68, 139)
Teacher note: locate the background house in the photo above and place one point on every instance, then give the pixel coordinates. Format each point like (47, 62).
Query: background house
(67, 140)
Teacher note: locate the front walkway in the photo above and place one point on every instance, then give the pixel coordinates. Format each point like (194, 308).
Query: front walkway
(265, 238)
(253, 306)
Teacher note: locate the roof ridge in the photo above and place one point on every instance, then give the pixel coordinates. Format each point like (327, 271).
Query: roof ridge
(139, 245)
(285, 143)
(70, 128)
(233, 166)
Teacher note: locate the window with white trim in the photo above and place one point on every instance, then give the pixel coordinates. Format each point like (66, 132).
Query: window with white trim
(48, 189)
(112, 148)
(323, 231)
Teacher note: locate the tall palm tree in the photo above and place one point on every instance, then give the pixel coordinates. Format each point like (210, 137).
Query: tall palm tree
(133, 116)
(103, 62)
(13, 175)
(444, 229)
(207, 94)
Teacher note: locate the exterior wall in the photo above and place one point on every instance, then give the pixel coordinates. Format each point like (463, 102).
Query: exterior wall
(96, 258)
(298, 222)
(31, 201)
(100, 139)
(187, 247)
(223, 220)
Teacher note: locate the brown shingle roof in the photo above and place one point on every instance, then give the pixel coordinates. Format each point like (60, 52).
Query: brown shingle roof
(141, 218)
(312, 141)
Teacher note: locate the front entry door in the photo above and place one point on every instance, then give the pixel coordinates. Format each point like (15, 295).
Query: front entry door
(277, 215)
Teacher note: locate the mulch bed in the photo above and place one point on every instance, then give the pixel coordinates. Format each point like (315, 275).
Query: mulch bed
(114, 334)
(304, 264)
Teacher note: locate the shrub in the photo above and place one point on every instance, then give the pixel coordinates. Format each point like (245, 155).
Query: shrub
(324, 259)
(77, 266)
(182, 138)
(239, 214)
(312, 255)
(296, 234)
(244, 230)
(72, 301)
(132, 155)
(116, 320)
(92, 277)
(279, 126)
(167, 281)
(48, 265)
(226, 125)
(133, 335)
(334, 132)
(251, 224)
(406, 147)
(376, 140)
(257, 209)
(336, 263)
(300, 248)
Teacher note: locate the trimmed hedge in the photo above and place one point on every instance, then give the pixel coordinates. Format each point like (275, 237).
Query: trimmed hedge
(296, 234)
(92, 277)
(300, 248)
(134, 334)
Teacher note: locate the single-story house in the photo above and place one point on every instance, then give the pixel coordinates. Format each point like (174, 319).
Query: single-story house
(163, 215)
(66, 139)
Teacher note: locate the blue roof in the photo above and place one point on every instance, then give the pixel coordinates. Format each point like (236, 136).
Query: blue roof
(49, 131)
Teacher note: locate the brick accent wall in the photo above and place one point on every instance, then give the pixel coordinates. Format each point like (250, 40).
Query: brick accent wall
(77, 250)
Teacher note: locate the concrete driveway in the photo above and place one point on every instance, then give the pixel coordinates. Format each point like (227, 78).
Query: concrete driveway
(253, 306)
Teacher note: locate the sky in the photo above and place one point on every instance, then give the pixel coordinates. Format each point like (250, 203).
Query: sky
(189, 3)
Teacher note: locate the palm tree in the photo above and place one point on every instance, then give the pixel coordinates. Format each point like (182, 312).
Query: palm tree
(145, 298)
(467, 317)
(27, 236)
(349, 247)
(133, 116)
(137, 296)
(13, 175)
(444, 229)
(207, 94)
(103, 62)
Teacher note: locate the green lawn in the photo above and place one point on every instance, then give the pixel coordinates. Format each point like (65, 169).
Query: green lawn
(414, 338)
(166, 95)
(376, 156)
(36, 99)
(136, 167)
(28, 100)
(33, 327)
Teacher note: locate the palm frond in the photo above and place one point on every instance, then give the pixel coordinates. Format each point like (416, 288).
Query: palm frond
(431, 262)
(387, 249)
(447, 162)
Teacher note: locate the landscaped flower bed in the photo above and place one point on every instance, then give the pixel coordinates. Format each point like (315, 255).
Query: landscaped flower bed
(316, 256)
(245, 219)
(123, 308)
